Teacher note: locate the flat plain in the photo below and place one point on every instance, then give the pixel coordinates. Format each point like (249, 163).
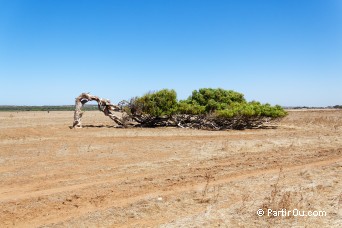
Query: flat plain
(103, 176)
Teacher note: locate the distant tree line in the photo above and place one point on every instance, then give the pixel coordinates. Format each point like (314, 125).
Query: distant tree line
(314, 107)
(10, 108)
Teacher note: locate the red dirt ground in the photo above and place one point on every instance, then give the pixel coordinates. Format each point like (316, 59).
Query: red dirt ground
(101, 176)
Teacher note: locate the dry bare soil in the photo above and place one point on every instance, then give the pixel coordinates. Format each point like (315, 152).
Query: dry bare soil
(102, 176)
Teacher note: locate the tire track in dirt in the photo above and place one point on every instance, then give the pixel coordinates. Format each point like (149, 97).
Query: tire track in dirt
(156, 163)
(6, 195)
(191, 187)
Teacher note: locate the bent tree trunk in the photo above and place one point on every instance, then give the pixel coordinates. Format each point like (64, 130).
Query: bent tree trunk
(104, 106)
(132, 117)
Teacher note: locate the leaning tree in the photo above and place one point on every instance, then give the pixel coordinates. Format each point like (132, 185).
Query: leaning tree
(104, 105)
(211, 109)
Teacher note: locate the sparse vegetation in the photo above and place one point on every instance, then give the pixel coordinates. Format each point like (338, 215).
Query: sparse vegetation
(168, 177)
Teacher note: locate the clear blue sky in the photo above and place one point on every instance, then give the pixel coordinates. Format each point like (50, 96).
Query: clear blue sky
(286, 52)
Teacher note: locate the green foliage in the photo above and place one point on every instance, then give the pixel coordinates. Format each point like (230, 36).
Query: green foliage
(252, 109)
(227, 104)
(205, 108)
(160, 103)
(218, 102)
(214, 99)
(185, 107)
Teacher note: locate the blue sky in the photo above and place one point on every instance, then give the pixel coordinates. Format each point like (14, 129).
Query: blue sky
(286, 52)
